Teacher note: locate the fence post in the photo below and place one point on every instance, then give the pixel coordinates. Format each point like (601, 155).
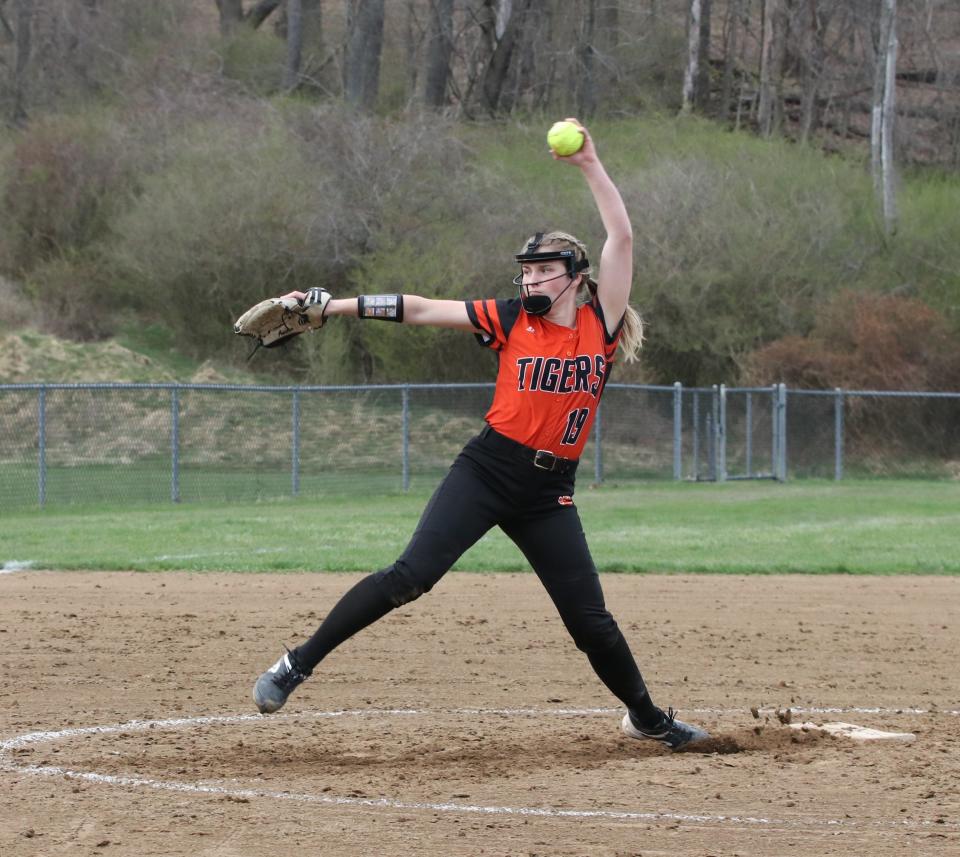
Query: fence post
(677, 431)
(781, 468)
(174, 445)
(711, 437)
(598, 447)
(295, 444)
(722, 434)
(775, 434)
(696, 436)
(405, 423)
(42, 446)
(838, 435)
(713, 431)
(748, 416)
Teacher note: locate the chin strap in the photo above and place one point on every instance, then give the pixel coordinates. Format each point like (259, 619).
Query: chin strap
(541, 304)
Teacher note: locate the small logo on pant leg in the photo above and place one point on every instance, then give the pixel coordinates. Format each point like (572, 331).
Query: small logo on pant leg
(565, 500)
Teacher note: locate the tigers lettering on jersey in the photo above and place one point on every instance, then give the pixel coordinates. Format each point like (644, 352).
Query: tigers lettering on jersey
(549, 377)
(581, 374)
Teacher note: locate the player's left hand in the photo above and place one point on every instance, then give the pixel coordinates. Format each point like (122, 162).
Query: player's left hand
(277, 320)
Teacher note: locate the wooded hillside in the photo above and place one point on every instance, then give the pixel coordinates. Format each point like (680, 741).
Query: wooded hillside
(169, 163)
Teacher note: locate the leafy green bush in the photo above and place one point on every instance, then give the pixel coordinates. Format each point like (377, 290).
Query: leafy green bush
(925, 252)
(249, 209)
(449, 230)
(231, 219)
(74, 296)
(64, 179)
(737, 242)
(15, 308)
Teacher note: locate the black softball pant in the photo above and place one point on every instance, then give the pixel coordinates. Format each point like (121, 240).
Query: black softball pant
(492, 483)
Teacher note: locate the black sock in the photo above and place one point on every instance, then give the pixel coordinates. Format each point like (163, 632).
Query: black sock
(619, 672)
(362, 605)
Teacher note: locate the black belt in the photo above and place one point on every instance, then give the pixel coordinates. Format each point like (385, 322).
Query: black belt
(540, 458)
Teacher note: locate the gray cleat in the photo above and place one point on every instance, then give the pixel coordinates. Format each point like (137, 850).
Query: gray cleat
(277, 683)
(673, 733)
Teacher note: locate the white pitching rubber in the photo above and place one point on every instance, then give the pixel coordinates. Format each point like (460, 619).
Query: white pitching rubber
(854, 732)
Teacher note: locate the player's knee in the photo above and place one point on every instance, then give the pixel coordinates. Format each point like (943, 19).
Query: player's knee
(401, 585)
(595, 634)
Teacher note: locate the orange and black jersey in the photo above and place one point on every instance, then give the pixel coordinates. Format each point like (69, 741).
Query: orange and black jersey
(550, 378)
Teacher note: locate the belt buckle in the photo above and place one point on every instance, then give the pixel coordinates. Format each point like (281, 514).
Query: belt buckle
(544, 453)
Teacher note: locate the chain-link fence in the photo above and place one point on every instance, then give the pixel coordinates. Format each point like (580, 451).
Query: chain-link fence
(136, 443)
(866, 433)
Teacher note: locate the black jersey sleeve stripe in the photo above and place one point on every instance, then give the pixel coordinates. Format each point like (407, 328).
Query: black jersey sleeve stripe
(508, 312)
(493, 321)
(485, 318)
(485, 335)
(472, 314)
(492, 309)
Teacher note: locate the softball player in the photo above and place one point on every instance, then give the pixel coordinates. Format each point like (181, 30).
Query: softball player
(556, 343)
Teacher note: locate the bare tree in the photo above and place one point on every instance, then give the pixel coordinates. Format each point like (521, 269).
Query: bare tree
(439, 49)
(696, 77)
(703, 84)
(770, 106)
(883, 115)
(24, 27)
(300, 25)
(608, 39)
(731, 30)
(507, 23)
(314, 59)
(813, 21)
(291, 74)
(587, 81)
(692, 73)
(361, 67)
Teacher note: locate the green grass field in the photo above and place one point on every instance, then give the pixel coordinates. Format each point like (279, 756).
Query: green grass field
(871, 527)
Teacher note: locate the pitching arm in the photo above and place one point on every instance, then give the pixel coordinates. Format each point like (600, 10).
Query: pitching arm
(616, 258)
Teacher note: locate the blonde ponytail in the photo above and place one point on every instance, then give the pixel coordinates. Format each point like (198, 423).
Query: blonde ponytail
(631, 339)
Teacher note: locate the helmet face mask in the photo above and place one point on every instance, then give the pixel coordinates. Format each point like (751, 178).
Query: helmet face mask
(541, 304)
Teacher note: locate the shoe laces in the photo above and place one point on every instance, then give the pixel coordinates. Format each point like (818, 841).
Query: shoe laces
(663, 728)
(290, 678)
(669, 718)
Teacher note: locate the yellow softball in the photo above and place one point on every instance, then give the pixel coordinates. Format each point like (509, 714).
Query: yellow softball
(565, 138)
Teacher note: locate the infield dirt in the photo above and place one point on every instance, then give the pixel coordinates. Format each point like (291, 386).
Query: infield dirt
(94, 649)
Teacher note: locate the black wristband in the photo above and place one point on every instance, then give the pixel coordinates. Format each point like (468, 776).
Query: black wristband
(380, 307)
